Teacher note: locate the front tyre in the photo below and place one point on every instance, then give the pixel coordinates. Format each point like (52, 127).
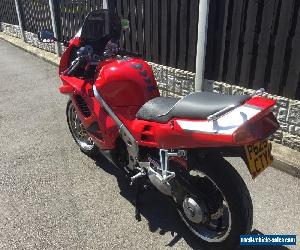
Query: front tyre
(215, 203)
(79, 133)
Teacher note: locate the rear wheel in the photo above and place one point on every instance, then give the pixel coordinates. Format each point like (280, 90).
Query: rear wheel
(79, 133)
(215, 203)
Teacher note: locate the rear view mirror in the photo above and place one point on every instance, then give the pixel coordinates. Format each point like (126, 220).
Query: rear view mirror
(46, 36)
(125, 24)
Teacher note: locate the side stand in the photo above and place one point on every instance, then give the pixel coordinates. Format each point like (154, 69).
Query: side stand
(141, 186)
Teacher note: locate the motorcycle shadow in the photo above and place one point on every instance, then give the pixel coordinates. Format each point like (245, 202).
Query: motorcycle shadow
(160, 212)
(157, 209)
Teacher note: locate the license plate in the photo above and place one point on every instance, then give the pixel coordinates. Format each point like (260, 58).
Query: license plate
(259, 157)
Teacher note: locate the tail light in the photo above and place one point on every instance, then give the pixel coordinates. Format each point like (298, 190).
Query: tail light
(256, 130)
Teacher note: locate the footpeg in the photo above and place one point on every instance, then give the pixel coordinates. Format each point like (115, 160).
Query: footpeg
(137, 176)
(164, 161)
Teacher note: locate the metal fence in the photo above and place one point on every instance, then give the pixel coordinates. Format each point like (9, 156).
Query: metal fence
(255, 44)
(8, 13)
(72, 14)
(163, 31)
(36, 15)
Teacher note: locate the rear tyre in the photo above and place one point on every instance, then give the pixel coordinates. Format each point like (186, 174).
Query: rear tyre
(78, 132)
(216, 205)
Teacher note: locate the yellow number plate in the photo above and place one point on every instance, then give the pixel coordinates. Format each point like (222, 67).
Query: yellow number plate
(259, 157)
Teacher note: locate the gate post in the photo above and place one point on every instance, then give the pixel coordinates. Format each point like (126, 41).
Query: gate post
(54, 21)
(18, 9)
(104, 4)
(201, 44)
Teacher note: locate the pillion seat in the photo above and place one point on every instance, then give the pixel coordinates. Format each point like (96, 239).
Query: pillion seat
(198, 105)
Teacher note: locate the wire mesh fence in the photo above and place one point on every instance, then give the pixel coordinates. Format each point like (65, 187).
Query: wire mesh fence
(72, 14)
(162, 31)
(35, 15)
(8, 13)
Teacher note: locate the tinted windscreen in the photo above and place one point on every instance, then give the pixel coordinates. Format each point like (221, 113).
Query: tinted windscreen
(99, 24)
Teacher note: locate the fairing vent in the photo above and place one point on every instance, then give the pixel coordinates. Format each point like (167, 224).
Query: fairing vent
(83, 106)
(147, 134)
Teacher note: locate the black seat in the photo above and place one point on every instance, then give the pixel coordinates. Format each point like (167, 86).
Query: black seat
(198, 105)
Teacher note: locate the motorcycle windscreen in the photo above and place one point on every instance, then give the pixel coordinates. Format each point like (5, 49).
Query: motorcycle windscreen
(101, 24)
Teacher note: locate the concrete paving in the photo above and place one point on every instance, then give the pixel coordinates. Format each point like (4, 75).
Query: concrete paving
(53, 196)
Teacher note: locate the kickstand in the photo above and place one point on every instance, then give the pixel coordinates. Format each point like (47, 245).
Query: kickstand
(141, 187)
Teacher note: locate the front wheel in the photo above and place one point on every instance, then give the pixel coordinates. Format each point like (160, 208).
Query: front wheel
(79, 133)
(214, 202)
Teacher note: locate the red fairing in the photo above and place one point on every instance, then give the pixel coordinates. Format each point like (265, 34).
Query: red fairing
(261, 102)
(173, 135)
(64, 60)
(107, 132)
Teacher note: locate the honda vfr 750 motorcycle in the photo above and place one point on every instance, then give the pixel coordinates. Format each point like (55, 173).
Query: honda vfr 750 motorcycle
(176, 145)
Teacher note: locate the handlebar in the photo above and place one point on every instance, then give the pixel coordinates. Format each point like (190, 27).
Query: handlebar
(79, 61)
(75, 65)
(122, 52)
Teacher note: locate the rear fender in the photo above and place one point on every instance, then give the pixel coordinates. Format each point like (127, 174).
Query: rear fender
(204, 153)
(234, 151)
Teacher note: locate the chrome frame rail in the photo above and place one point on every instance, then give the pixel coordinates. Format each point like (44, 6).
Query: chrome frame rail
(132, 145)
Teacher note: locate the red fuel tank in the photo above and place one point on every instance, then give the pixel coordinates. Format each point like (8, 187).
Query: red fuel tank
(127, 82)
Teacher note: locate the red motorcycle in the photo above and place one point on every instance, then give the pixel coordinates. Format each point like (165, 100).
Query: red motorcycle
(176, 145)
